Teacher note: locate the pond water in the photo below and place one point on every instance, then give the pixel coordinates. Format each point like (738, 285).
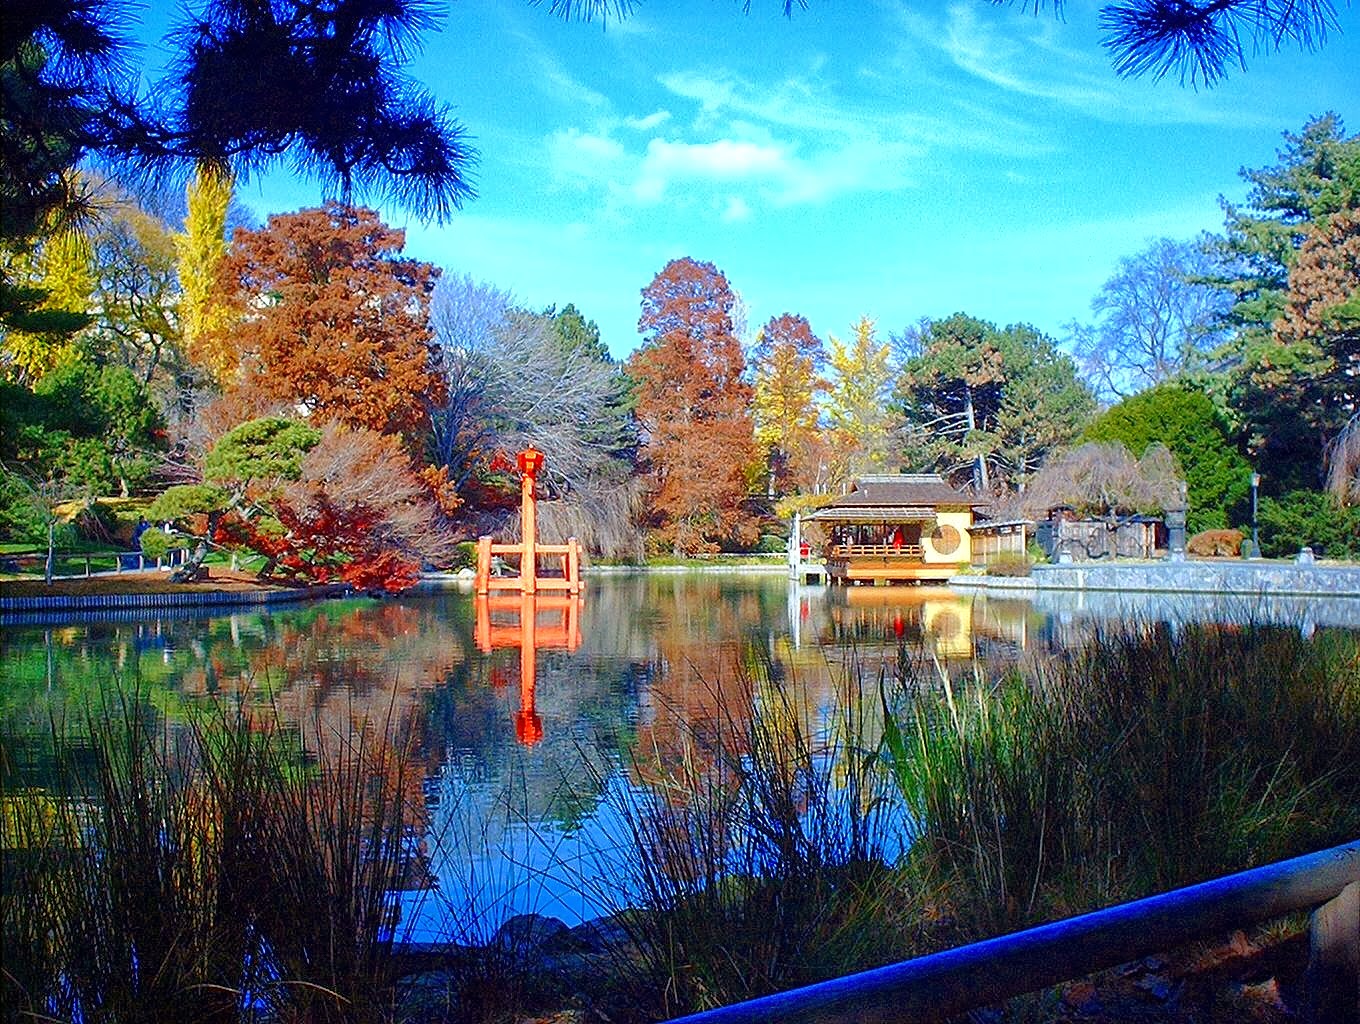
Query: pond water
(527, 724)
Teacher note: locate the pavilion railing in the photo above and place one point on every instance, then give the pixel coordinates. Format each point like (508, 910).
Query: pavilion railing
(912, 551)
(944, 985)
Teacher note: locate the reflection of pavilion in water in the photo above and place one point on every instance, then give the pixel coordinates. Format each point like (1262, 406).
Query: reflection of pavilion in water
(948, 625)
(528, 621)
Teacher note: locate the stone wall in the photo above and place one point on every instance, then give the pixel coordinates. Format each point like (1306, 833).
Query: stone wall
(1209, 577)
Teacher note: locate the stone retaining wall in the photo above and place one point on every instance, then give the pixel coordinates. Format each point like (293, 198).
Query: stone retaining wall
(17, 610)
(1208, 577)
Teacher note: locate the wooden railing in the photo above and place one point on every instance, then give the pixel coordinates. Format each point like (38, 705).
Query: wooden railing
(913, 551)
(944, 985)
(68, 564)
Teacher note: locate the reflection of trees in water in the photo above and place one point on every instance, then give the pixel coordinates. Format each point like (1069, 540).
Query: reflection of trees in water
(339, 669)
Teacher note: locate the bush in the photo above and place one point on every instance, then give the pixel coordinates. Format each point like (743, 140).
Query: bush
(1009, 563)
(1308, 519)
(158, 543)
(771, 544)
(1218, 478)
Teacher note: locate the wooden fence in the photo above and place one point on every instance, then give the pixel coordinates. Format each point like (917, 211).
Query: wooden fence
(84, 564)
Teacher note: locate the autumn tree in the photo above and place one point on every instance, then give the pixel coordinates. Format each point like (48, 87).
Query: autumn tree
(693, 408)
(986, 405)
(60, 271)
(325, 313)
(202, 250)
(787, 363)
(1321, 323)
(859, 404)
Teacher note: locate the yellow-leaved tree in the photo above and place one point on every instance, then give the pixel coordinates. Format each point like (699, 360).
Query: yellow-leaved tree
(788, 360)
(859, 403)
(201, 249)
(61, 269)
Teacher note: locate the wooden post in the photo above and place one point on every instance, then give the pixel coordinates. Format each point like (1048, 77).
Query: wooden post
(573, 567)
(483, 564)
(1334, 960)
(528, 566)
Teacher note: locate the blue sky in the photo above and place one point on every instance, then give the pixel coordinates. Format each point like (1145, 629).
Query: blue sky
(895, 159)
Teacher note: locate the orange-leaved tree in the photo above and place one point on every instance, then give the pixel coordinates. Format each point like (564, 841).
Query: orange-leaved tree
(330, 317)
(693, 408)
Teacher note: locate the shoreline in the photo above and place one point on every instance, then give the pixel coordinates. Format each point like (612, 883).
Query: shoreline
(1227, 578)
(16, 608)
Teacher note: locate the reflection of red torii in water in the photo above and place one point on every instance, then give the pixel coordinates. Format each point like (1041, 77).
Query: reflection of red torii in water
(523, 630)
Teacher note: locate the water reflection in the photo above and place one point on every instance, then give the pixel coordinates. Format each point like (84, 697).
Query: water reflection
(532, 724)
(527, 622)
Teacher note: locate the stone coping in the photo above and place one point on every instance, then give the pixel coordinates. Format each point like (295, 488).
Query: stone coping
(440, 580)
(18, 610)
(1208, 577)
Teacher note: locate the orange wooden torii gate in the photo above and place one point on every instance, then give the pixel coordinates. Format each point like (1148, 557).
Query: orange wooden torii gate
(528, 581)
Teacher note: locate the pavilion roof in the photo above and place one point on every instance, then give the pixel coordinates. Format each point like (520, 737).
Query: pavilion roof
(896, 496)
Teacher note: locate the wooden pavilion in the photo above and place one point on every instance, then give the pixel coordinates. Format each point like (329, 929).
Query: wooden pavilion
(897, 528)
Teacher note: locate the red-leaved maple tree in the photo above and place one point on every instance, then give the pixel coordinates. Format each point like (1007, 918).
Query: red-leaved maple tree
(328, 316)
(694, 409)
(357, 512)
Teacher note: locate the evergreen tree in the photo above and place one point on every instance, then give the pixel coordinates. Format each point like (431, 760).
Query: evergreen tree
(1217, 478)
(985, 406)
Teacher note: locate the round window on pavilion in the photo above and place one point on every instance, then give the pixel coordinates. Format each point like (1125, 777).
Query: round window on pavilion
(945, 539)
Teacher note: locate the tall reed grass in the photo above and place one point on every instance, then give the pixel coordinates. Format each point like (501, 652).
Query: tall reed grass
(204, 873)
(758, 856)
(1147, 759)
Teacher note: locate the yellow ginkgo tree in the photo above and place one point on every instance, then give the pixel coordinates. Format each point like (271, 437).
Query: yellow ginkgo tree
(201, 249)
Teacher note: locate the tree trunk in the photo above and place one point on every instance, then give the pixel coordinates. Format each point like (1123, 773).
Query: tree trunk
(980, 482)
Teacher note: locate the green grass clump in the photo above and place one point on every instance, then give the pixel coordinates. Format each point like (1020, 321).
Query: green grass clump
(1148, 759)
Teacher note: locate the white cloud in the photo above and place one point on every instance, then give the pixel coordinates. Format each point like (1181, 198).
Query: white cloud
(584, 156)
(736, 210)
(1026, 54)
(721, 160)
(646, 124)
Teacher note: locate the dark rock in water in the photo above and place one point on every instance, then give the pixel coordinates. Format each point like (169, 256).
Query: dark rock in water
(529, 934)
(601, 935)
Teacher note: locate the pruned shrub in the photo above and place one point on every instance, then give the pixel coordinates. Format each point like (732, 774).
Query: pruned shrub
(1216, 544)
(1010, 563)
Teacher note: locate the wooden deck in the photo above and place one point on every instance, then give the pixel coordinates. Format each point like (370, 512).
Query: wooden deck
(889, 563)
